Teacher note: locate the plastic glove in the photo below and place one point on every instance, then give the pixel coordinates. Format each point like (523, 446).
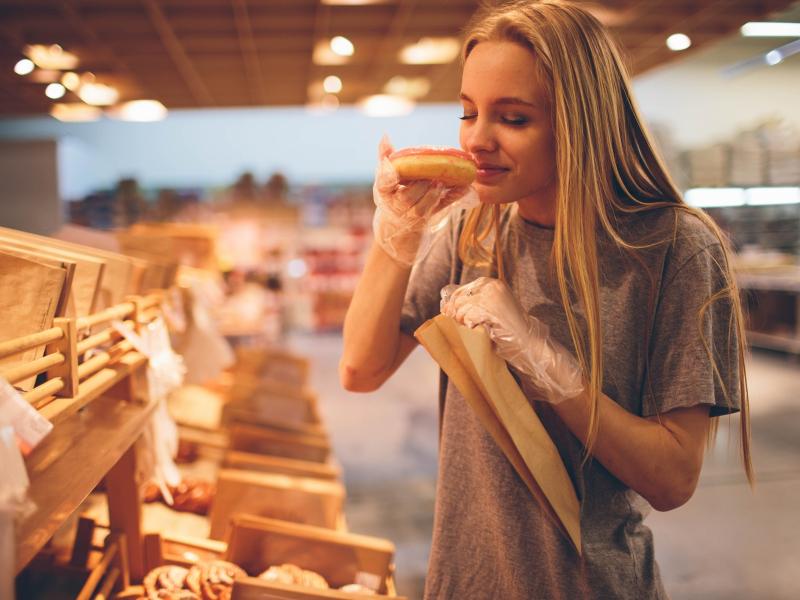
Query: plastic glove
(406, 216)
(521, 340)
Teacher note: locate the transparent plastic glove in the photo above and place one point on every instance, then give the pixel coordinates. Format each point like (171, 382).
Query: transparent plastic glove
(407, 215)
(521, 340)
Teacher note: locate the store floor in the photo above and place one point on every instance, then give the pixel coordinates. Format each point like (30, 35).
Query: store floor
(727, 542)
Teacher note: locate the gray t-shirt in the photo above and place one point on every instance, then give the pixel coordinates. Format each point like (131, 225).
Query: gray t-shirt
(491, 540)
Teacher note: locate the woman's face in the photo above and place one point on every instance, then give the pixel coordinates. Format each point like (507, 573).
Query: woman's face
(507, 126)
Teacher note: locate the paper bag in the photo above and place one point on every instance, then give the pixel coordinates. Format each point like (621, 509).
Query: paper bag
(483, 379)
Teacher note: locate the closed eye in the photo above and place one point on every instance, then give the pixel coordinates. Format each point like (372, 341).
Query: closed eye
(468, 117)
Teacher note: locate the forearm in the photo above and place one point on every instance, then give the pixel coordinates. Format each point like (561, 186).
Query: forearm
(372, 338)
(659, 460)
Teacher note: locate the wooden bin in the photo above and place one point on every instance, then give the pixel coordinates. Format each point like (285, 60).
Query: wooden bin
(275, 400)
(298, 499)
(246, 438)
(274, 364)
(341, 558)
(277, 464)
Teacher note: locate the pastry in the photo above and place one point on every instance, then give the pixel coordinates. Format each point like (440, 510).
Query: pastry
(292, 574)
(449, 166)
(357, 588)
(213, 580)
(165, 578)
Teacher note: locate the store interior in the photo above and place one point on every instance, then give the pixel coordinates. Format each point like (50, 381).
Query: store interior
(223, 229)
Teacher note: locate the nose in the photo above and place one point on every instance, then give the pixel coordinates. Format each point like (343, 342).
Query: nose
(477, 136)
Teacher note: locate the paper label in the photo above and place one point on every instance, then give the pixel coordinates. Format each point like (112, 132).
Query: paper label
(29, 426)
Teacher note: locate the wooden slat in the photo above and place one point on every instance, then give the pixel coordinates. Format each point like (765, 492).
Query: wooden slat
(20, 344)
(40, 365)
(115, 312)
(48, 388)
(97, 573)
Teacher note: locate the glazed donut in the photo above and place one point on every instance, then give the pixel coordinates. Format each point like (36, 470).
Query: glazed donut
(450, 166)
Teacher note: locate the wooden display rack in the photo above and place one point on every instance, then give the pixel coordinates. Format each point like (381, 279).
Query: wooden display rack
(99, 408)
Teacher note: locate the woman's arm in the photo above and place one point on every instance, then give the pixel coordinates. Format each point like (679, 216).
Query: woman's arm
(374, 346)
(658, 457)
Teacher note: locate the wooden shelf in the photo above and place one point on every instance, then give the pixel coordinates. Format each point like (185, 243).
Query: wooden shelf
(771, 341)
(79, 452)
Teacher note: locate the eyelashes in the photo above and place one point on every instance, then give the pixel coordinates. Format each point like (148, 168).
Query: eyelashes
(467, 117)
(506, 120)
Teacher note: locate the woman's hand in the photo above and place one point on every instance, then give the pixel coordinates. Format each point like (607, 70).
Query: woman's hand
(523, 341)
(404, 212)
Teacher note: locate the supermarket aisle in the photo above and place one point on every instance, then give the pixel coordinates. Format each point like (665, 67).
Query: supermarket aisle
(727, 542)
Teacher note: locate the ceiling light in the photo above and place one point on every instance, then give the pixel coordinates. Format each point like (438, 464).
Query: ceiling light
(771, 58)
(75, 112)
(323, 55)
(760, 196)
(678, 41)
(54, 91)
(51, 57)
(756, 29)
(414, 87)
(24, 66)
(332, 84)
(71, 81)
(386, 105)
(98, 94)
(140, 111)
(715, 197)
(342, 46)
(430, 51)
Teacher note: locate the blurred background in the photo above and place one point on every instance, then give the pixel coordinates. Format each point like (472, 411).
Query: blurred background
(260, 120)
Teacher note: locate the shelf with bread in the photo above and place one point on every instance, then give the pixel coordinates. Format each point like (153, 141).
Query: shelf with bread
(65, 311)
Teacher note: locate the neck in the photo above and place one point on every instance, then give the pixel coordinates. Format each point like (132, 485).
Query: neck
(538, 210)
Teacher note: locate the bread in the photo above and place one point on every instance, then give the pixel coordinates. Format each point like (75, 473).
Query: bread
(292, 574)
(450, 166)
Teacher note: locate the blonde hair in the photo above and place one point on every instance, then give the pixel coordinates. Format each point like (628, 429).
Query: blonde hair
(606, 166)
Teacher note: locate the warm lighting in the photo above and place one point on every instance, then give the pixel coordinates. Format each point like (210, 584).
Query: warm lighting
(430, 51)
(766, 29)
(386, 105)
(54, 91)
(51, 57)
(341, 46)
(332, 84)
(98, 94)
(715, 197)
(75, 112)
(71, 81)
(24, 66)
(140, 111)
(678, 41)
(44, 76)
(323, 55)
(414, 87)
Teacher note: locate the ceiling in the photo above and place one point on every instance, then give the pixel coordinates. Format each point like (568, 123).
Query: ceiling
(227, 53)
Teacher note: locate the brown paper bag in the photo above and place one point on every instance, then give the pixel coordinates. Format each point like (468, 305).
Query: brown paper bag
(29, 296)
(466, 355)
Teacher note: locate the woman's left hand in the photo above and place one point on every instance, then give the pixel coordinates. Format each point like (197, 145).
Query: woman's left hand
(520, 339)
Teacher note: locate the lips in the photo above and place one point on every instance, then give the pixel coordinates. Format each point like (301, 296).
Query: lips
(489, 171)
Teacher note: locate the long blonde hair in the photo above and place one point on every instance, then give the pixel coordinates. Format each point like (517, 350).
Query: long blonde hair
(606, 166)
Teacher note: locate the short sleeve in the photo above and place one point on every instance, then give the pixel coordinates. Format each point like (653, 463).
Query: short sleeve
(694, 346)
(427, 279)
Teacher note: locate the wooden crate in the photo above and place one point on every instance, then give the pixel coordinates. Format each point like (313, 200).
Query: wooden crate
(257, 440)
(341, 558)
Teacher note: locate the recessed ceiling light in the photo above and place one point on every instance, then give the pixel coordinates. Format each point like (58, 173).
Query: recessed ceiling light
(75, 112)
(414, 87)
(342, 46)
(332, 84)
(767, 29)
(98, 94)
(431, 51)
(71, 81)
(386, 105)
(54, 91)
(140, 111)
(678, 41)
(24, 66)
(51, 57)
(323, 55)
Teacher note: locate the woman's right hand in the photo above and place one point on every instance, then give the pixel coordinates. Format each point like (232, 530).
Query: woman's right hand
(405, 210)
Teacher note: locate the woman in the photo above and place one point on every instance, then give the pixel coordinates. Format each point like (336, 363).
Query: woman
(618, 314)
